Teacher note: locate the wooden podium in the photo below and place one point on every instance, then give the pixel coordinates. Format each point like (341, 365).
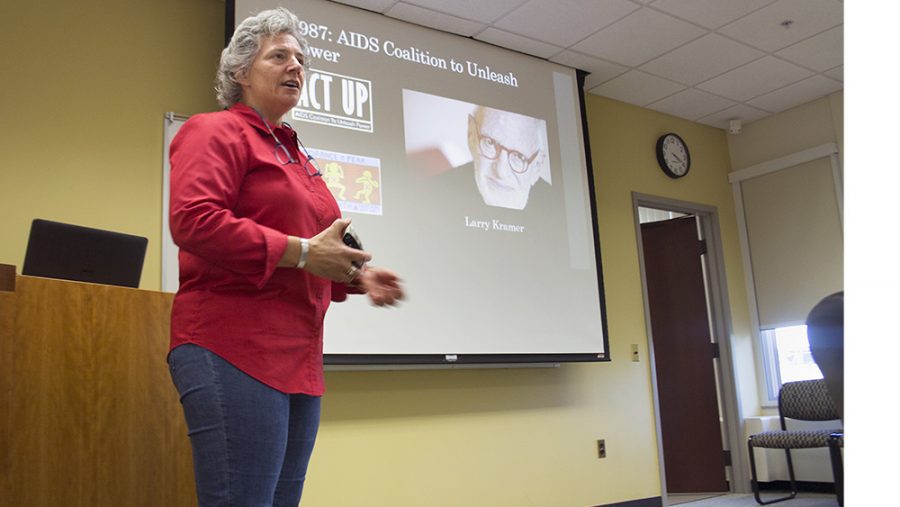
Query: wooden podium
(89, 413)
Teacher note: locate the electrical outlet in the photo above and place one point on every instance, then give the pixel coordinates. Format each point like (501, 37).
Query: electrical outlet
(635, 355)
(601, 448)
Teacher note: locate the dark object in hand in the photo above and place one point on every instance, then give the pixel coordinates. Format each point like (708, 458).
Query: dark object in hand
(352, 240)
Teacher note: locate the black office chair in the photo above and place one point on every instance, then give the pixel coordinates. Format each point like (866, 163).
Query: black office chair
(825, 330)
(806, 400)
(835, 446)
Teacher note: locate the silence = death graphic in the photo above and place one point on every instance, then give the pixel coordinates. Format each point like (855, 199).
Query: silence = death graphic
(354, 180)
(336, 100)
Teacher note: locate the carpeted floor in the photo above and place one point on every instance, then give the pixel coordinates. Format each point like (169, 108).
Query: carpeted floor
(802, 500)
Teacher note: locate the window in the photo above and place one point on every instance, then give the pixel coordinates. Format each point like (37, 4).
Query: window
(787, 357)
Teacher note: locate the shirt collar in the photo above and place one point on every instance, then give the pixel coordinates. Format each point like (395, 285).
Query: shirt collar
(253, 118)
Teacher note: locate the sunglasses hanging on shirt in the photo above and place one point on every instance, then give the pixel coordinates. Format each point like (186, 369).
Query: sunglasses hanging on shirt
(284, 156)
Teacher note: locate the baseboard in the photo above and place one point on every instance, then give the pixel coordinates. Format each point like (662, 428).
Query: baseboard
(805, 486)
(646, 502)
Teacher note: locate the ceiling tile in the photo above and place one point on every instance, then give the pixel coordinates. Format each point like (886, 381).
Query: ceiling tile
(762, 29)
(795, 94)
(755, 78)
(658, 53)
(709, 13)
(518, 43)
(836, 73)
(433, 19)
(819, 52)
(691, 104)
(600, 70)
(476, 10)
(636, 87)
(563, 22)
(741, 112)
(701, 59)
(638, 37)
(370, 5)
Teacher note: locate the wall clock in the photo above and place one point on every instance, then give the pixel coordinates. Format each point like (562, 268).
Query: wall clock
(673, 155)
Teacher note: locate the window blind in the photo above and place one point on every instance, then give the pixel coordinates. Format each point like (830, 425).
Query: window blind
(795, 240)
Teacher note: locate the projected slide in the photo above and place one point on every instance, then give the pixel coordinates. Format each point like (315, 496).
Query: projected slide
(463, 168)
(502, 152)
(355, 181)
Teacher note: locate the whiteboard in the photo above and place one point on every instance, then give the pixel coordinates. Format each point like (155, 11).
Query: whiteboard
(171, 124)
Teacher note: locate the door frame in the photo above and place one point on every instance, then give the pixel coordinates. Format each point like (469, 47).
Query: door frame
(720, 319)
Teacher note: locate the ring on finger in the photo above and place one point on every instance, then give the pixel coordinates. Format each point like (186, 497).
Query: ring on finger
(351, 272)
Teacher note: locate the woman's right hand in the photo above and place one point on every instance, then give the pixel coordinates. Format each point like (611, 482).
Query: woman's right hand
(330, 258)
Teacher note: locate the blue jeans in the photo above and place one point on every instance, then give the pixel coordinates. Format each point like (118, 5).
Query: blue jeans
(251, 443)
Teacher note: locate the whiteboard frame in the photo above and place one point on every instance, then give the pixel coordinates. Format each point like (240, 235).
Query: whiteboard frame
(169, 251)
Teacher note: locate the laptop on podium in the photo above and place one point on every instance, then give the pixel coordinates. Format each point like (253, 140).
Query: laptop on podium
(73, 252)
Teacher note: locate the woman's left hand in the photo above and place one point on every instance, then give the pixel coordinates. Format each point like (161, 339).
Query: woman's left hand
(382, 285)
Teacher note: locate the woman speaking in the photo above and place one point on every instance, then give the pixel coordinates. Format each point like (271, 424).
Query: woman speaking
(261, 258)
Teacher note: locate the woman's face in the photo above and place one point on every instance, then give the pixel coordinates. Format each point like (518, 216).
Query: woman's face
(273, 84)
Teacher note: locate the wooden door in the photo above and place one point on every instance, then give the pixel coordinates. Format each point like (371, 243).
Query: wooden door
(683, 351)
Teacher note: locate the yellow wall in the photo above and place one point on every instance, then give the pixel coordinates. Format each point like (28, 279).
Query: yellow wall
(526, 437)
(623, 138)
(805, 126)
(799, 128)
(82, 142)
(85, 88)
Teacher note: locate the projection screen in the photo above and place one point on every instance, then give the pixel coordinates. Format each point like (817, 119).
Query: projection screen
(463, 167)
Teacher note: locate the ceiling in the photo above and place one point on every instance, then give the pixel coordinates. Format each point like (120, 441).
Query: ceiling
(709, 61)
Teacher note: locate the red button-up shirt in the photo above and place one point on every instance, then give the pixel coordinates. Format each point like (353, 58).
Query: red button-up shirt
(232, 206)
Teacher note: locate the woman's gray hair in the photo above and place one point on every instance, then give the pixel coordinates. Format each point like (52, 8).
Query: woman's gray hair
(238, 57)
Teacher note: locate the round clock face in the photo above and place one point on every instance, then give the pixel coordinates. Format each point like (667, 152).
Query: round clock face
(672, 155)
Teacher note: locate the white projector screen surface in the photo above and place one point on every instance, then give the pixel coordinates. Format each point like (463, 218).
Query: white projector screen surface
(403, 122)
